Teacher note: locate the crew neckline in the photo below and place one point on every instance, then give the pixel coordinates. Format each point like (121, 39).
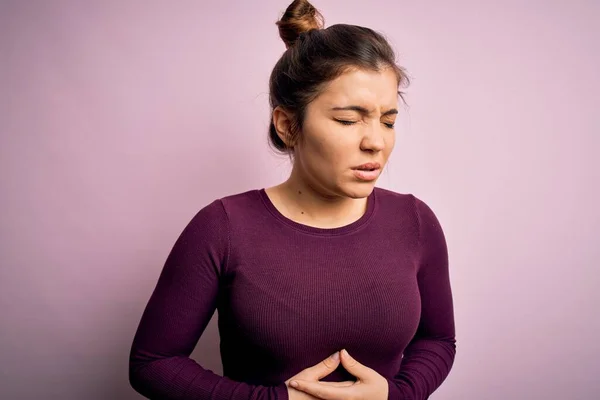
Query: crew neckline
(342, 230)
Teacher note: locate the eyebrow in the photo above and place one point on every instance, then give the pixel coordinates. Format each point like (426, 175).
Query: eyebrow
(363, 110)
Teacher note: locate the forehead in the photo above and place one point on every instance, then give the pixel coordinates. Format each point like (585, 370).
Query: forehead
(362, 87)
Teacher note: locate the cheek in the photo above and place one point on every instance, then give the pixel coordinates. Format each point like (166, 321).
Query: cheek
(390, 143)
(336, 151)
(324, 159)
(328, 147)
(313, 155)
(326, 144)
(314, 148)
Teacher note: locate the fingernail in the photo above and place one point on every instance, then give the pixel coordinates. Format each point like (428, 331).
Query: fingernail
(345, 353)
(294, 384)
(336, 356)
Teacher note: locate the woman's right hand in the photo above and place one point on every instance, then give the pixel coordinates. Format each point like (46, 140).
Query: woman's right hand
(315, 373)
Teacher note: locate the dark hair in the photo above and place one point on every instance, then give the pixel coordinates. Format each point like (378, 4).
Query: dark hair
(315, 56)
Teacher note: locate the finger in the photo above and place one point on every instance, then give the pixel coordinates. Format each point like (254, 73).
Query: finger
(357, 369)
(324, 368)
(325, 392)
(338, 384)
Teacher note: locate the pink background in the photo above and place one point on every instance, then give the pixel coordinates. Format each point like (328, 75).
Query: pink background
(120, 119)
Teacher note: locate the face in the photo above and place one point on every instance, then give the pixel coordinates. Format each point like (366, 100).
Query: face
(348, 134)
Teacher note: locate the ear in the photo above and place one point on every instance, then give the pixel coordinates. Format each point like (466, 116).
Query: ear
(283, 121)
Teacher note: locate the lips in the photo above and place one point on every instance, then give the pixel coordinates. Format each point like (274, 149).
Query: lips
(368, 167)
(367, 172)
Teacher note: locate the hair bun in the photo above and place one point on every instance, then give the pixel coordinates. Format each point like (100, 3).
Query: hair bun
(300, 17)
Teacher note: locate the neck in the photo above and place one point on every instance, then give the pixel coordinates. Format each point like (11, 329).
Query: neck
(302, 202)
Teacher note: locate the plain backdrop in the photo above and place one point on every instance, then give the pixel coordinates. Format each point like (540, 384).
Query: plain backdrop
(119, 120)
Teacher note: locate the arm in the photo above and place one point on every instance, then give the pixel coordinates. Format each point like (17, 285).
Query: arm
(429, 356)
(179, 309)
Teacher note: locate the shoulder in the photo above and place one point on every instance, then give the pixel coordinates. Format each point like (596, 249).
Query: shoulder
(218, 212)
(241, 201)
(391, 202)
(388, 197)
(407, 203)
(209, 220)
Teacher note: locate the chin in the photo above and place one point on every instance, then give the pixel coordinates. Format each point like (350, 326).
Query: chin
(358, 190)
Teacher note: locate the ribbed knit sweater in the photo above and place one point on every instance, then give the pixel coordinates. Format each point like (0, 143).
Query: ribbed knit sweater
(288, 295)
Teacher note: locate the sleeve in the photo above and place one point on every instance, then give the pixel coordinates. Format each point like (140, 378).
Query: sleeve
(430, 355)
(179, 309)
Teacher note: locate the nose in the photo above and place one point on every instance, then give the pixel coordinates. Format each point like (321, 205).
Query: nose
(373, 139)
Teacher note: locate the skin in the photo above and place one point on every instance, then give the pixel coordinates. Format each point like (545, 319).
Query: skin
(323, 190)
(369, 384)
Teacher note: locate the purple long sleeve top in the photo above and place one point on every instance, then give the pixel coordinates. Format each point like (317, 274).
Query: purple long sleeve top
(289, 295)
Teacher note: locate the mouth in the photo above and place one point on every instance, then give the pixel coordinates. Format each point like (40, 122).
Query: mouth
(368, 167)
(367, 172)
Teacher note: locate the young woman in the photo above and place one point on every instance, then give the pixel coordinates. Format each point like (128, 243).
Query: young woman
(326, 286)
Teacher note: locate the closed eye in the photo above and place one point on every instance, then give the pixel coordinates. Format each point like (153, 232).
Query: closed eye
(345, 122)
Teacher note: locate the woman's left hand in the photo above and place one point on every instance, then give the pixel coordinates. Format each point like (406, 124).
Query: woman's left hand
(369, 385)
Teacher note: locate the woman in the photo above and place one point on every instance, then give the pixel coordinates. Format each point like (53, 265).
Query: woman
(326, 287)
